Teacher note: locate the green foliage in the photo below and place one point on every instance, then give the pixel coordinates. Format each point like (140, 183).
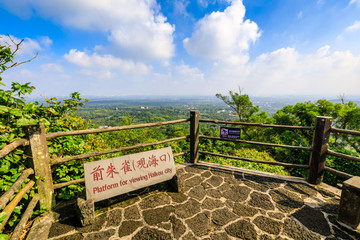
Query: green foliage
(3, 236)
(6, 57)
(15, 112)
(247, 112)
(345, 116)
(241, 104)
(340, 164)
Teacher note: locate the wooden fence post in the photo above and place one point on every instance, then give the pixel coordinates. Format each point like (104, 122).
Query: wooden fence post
(194, 136)
(319, 149)
(40, 162)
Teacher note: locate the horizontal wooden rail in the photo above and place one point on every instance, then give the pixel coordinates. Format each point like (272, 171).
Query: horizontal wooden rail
(346, 131)
(341, 155)
(288, 165)
(11, 206)
(12, 146)
(255, 143)
(338, 173)
(93, 154)
(257, 124)
(60, 185)
(181, 154)
(9, 193)
(111, 129)
(24, 219)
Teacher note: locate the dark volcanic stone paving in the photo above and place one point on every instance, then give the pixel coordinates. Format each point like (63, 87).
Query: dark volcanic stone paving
(261, 200)
(157, 215)
(200, 225)
(222, 217)
(313, 219)
(242, 229)
(115, 217)
(215, 204)
(147, 233)
(268, 225)
(197, 192)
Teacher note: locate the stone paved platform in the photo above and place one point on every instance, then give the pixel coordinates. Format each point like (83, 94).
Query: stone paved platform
(214, 203)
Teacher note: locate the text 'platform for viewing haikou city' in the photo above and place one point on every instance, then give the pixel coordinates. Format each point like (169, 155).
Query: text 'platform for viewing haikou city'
(111, 177)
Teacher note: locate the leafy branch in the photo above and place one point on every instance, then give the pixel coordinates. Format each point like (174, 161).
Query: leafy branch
(7, 55)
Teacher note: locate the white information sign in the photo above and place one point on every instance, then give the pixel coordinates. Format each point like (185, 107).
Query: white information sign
(111, 177)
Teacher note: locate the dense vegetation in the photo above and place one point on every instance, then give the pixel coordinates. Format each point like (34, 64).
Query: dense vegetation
(238, 106)
(73, 114)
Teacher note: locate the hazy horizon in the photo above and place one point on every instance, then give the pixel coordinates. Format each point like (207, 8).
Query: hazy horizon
(294, 98)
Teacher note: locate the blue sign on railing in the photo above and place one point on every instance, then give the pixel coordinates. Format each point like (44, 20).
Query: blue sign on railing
(227, 132)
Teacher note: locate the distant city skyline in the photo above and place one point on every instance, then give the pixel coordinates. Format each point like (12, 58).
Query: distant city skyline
(182, 47)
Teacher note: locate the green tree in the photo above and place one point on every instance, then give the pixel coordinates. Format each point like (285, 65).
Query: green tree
(7, 56)
(247, 112)
(346, 115)
(16, 111)
(241, 104)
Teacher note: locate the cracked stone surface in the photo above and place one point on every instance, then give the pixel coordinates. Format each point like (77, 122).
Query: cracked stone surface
(261, 200)
(215, 204)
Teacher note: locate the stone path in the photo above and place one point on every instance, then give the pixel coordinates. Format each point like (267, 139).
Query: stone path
(216, 204)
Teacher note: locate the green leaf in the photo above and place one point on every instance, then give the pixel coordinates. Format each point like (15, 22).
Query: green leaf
(44, 121)
(3, 216)
(3, 236)
(3, 109)
(16, 158)
(24, 121)
(17, 209)
(65, 179)
(26, 197)
(18, 151)
(29, 107)
(16, 112)
(5, 167)
(53, 111)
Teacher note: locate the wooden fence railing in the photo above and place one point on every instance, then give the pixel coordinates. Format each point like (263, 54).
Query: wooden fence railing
(36, 140)
(41, 164)
(319, 149)
(8, 203)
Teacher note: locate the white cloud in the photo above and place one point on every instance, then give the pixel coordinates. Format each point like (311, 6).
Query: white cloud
(354, 27)
(286, 71)
(180, 7)
(355, 2)
(192, 75)
(46, 41)
(52, 68)
(21, 8)
(323, 51)
(289, 72)
(203, 3)
(136, 28)
(300, 15)
(348, 31)
(28, 47)
(105, 62)
(151, 40)
(223, 35)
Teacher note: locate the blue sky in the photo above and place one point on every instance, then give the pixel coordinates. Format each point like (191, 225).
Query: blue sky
(181, 47)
